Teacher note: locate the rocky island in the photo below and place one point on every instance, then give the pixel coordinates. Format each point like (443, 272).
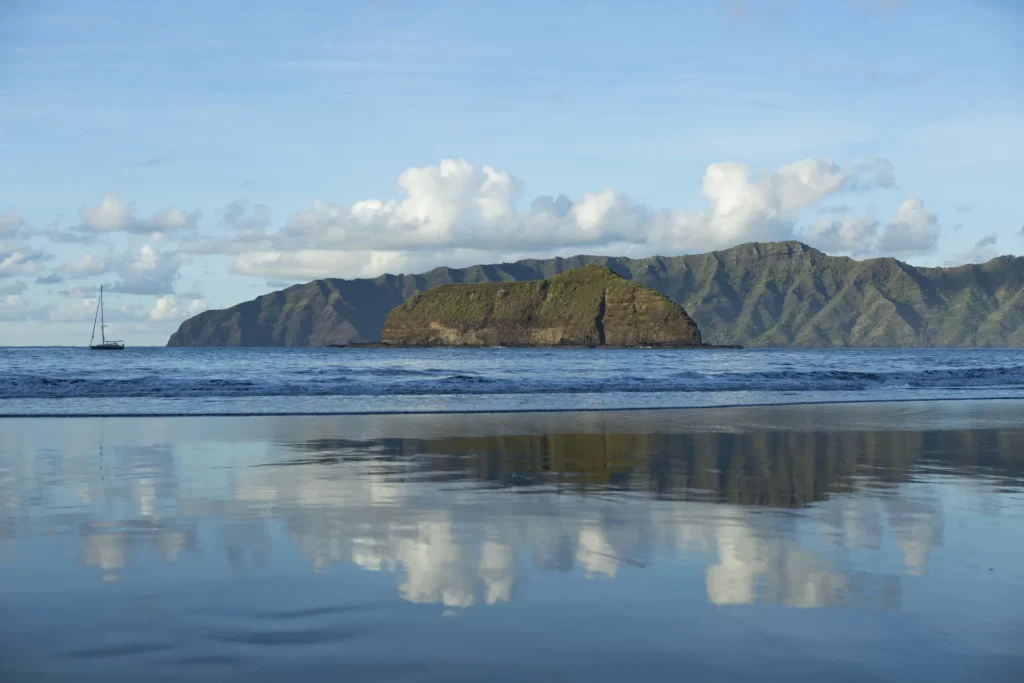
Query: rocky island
(589, 306)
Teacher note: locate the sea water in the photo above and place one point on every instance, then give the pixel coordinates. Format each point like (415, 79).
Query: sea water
(186, 381)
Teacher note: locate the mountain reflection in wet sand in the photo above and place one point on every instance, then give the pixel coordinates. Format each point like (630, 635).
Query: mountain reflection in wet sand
(619, 478)
(797, 517)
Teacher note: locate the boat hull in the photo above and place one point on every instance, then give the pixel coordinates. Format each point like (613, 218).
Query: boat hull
(107, 347)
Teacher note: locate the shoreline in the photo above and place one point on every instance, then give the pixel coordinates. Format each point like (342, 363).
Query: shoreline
(525, 411)
(361, 431)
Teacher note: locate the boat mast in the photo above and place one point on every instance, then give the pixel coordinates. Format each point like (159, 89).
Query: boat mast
(96, 317)
(103, 326)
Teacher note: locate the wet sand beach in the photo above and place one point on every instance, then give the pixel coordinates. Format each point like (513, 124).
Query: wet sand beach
(830, 542)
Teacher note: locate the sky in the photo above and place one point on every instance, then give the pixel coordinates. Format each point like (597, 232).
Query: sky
(191, 154)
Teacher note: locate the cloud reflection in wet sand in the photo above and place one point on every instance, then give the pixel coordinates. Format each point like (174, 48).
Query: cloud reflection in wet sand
(463, 521)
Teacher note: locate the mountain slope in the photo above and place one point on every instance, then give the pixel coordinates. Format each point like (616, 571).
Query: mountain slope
(588, 306)
(755, 294)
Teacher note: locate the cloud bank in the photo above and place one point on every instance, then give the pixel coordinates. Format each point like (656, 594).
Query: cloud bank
(455, 212)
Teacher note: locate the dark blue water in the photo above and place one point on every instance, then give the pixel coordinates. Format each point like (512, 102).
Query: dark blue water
(63, 381)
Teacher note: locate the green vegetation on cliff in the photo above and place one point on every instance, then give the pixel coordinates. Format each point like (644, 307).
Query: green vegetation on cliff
(756, 294)
(589, 306)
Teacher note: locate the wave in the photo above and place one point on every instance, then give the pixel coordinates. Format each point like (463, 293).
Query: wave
(392, 381)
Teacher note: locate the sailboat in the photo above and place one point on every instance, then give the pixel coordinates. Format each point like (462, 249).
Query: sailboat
(105, 344)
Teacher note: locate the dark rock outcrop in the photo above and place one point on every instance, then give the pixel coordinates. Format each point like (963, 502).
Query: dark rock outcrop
(589, 306)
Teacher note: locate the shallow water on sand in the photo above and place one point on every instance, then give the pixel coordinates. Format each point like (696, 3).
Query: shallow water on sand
(817, 543)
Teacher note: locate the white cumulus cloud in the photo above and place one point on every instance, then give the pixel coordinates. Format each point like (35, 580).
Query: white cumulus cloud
(457, 208)
(113, 214)
(19, 259)
(147, 271)
(314, 263)
(913, 229)
(170, 307)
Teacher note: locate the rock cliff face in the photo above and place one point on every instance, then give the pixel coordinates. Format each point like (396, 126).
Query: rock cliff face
(755, 294)
(589, 306)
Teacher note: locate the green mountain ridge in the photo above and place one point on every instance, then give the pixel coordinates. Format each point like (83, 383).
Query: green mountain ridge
(754, 294)
(587, 306)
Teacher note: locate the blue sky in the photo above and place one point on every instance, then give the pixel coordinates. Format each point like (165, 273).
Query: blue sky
(197, 154)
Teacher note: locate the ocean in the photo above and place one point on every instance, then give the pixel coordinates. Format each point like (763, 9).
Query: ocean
(225, 381)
